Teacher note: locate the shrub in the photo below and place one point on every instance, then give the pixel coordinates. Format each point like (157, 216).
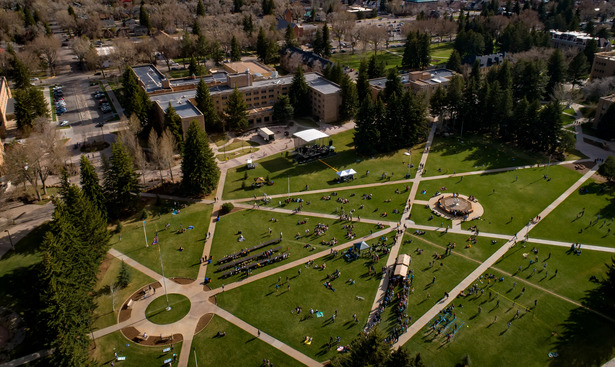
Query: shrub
(118, 227)
(144, 215)
(226, 208)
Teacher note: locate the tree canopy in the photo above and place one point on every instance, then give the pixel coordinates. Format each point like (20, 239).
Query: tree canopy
(199, 169)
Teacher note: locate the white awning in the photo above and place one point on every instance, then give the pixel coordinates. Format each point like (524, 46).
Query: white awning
(310, 135)
(346, 172)
(401, 270)
(403, 259)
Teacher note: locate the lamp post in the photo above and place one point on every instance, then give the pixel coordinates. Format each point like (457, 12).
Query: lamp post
(10, 238)
(195, 360)
(164, 283)
(548, 164)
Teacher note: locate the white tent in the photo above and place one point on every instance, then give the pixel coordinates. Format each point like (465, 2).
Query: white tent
(309, 135)
(404, 260)
(346, 172)
(401, 270)
(361, 246)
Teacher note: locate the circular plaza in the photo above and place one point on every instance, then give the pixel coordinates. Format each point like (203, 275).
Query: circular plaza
(455, 206)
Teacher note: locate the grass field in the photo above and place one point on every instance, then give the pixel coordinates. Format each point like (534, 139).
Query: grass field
(136, 355)
(104, 313)
(176, 263)
(353, 61)
(255, 224)
(273, 311)
(593, 227)
(473, 153)
(157, 310)
(384, 200)
(247, 350)
(567, 119)
(238, 153)
(319, 175)
(518, 195)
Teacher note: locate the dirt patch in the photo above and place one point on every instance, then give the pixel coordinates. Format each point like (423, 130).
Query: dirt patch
(136, 336)
(125, 313)
(583, 168)
(203, 322)
(182, 280)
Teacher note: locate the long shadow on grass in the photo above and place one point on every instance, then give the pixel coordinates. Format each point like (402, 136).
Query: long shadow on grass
(588, 339)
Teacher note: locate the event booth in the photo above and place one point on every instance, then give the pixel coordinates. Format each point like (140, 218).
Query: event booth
(311, 145)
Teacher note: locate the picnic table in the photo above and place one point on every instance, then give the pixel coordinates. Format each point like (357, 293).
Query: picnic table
(242, 253)
(248, 259)
(255, 265)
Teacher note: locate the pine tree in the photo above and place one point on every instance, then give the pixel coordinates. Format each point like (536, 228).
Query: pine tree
(393, 85)
(205, 104)
(411, 54)
(317, 44)
(282, 109)
(590, 50)
(235, 50)
(375, 68)
(144, 19)
(577, 68)
(363, 89)
(350, 99)
(193, 67)
(556, 69)
(454, 62)
(326, 41)
(90, 185)
(217, 55)
(196, 27)
(199, 169)
(298, 92)
(289, 37)
(261, 45)
(236, 111)
(124, 276)
(121, 182)
(267, 7)
(237, 4)
(30, 103)
(19, 70)
(548, 139)
(136, 100)
(200, 9)
(366, 136)
(437, 103)
(607, 170)
(173, 122)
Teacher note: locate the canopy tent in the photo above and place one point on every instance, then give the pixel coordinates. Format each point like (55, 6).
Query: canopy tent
(404, 260)
(401, 270)
(346, 172)
(307, 136)
(259, 180)
(251, 165)
(361, 246)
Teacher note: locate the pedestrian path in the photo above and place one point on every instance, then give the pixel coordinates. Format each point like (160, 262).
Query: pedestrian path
(445, 301)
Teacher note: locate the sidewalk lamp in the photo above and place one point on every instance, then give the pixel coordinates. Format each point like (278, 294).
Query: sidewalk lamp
(10, 238)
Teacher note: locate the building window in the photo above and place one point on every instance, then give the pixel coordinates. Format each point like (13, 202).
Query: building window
(266, 118)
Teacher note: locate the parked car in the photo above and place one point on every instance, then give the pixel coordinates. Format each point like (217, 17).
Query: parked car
(64, 123)
(100, 124)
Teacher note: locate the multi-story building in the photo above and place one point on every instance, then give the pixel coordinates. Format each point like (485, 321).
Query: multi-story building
(426, 81)
(260, 94)
(294, 57)
(6, 102)
(576, 40)
(604, 65)
(603, 105)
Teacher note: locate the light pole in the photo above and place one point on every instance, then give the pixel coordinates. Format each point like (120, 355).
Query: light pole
(195, 360)
(164, 283)
(548, 164)
(10, 238)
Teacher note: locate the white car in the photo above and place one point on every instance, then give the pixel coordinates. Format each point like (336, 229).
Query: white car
(64, 123)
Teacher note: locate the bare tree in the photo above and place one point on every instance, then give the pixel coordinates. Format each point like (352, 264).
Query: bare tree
(49, 151)
(374, 35)
(125, 53)
(353, 37)
(80, 46)
(10, 25)
(47, 47)
(168, 48)
(167, 146)
(96, 61)
(155, 152)
(18, 158)
(130, 138)
(342, 22)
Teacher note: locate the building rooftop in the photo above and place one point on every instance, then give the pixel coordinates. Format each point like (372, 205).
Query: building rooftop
(321, 84)
(252, 66)
(219, 77)
(150, 76)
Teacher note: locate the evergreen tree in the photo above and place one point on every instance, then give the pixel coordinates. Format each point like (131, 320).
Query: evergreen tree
(577, 68)
(606, 128)
(317, 43)
(454, 62)
(289, 37)
(205, 104)
(90, 185)
(236, 111)
(375, 68)
(235, 50)
(201, 47)
(298, 92)
(124, 276)
(410, 59)
(136, 100)
(173, 122)
(248, 25)
(237, 4)
(200, 9)
(548, 139)
(199, 169)
(437, 102)
(424, 43)
(261, 45)
(144, 19)
(217, 55)
(267, 7)
(607, 170)
(30, 103)
(363, 89)
(590, 50)
(556, 69)
(193, 67)
(349, 96)
(454, 97)
(393, 85)
(19, 70)
(121, 182)
(326, 41)
(282, 109)
(196, 27)
(366, 136)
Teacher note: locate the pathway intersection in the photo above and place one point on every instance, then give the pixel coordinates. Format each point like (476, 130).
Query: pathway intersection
(201, 296)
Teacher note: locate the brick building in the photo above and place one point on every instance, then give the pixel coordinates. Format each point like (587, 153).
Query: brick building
(604, 65)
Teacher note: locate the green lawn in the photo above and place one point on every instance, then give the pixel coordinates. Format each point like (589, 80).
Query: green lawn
(255, 225)
(570, 111)
(567, 119)
(384, 200)
(353, 61)
(421, 214)
(582, 339)
(157, 310)
(472, 153)
(107, 98)
(219, 139)
(247, 350)
(176, 263)
(563, 225)
(104, 313)
(136, 355)
(226, 156)
(520, 194)
(52, 108)
(237, 143)
(272, 311)
(174, 74)
(480, 251)
(573, 272)
(317, 174)
(441, 50)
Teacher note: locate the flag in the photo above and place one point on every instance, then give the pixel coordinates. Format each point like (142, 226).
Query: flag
(155, 240)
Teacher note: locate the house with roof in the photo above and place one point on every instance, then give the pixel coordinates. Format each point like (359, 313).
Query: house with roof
(486, 61)
(419, 82)
(293, 57)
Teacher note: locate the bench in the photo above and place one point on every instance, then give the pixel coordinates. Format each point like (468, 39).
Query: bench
(142, 337)
(120, 359)
(166, 350)
(168, 360)
(129, 304)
